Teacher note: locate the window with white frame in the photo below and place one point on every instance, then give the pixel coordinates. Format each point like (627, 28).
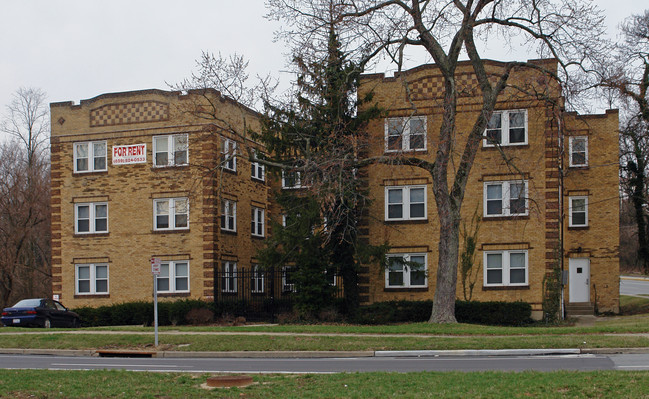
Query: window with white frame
(171, 214)
(257, 279)
(288, 279)
(91, 218)
(406, 271)
(229, 276)
(229, 154)
(90, 156)
(578, 211)
(91, 279)
(171, 150)
(228, 215)
(405, 203)
(506, 128)
(578, 151)
(291, 179)
(173, 277)
(257, 170)
(505, 198)
(405, 134)
(505, 268)
(257, 221)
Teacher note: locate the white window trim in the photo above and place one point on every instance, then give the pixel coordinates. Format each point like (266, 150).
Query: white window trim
(229, 205)
(298, 181)
(405, 195)
(91, 156)
(92, 218)
(570, 210)
(407, 271)
(257, 275)
(504, 138)
(93, 279)
(257, 169)
(229, 153)
(171, 159)
(286, 286)
(505, 269)
(173, 276)
(257, 221)
(172, 213)
(405, 141)
(229, 271)
(505, 198)
(570, 152)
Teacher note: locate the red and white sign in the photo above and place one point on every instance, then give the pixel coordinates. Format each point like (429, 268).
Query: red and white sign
(128, 154)
(155, 266)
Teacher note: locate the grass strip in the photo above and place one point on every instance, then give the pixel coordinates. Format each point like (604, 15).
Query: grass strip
(123, 384)
(315, 342)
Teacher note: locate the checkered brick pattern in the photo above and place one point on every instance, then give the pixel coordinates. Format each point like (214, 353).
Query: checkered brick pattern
(126, 113)
(433, 87)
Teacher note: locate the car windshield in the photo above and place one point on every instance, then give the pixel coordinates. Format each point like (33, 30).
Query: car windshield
(28, 303)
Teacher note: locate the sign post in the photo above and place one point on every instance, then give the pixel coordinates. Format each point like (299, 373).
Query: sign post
(155, 270)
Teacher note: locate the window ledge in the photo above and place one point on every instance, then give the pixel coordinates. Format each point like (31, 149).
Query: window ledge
(493, 217)
(170, 231)
(506, 288)
(406, 289)
(173, 294)
(495, 147)
(91, 235)
(257, 180)
(255, 237)
(230, 171)
(93, 296)
(93, 173)
(168, 167)
(229, 232)
(398, 152)
(406, 221)
(578, 227)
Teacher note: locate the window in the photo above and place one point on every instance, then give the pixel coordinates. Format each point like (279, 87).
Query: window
(506, 128)
(257, 170)
(173, 277)
(257, 222)
(229, 277)
(579, 151)
(228, 215)
(405, 134)
(91, 279)
(405, 203)
(170, 150)
(90, 157)
(91, 218)
(504, 268)
(291, 179)
(578, 212)
(229, 153)
(288, 279)
(505, 198)
(406, 271)
(257, 279)
(171, 214)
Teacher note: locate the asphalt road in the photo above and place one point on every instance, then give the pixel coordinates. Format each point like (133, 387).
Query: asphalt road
(332, 365)
(634, 286)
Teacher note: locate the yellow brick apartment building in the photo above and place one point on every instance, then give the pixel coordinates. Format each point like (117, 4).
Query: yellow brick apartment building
(135, 176)
(544, 185)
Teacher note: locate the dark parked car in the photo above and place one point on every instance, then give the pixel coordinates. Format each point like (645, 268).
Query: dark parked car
(41, 312)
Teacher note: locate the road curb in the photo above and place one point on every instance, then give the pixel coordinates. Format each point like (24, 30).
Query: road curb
(267, 354)
(477, 352)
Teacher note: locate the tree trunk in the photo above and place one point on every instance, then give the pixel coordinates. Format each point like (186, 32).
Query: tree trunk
(448, 248)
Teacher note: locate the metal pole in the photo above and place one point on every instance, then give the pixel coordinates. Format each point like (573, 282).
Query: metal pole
(155, 307)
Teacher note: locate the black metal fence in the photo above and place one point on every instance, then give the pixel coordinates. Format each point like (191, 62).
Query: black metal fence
(259, 294)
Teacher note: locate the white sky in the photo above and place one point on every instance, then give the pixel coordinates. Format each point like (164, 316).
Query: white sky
(78, 49)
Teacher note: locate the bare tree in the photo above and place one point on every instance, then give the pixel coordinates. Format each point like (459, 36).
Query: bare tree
(568, 31)
(24, 199)
(626, 72)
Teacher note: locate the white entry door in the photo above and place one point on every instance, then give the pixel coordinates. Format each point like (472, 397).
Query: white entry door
(579, 279)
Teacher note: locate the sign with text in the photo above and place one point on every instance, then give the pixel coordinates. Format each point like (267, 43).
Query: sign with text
(155, 266)
(129, 154)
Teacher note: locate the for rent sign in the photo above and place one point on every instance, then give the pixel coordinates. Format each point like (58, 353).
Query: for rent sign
(127, 154)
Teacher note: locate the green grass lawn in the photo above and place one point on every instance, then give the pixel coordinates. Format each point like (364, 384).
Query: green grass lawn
(122, 384)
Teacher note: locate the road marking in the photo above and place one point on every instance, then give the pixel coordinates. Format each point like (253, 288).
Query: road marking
(116, 365)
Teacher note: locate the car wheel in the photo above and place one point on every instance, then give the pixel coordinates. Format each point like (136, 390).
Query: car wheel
(47, 323)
